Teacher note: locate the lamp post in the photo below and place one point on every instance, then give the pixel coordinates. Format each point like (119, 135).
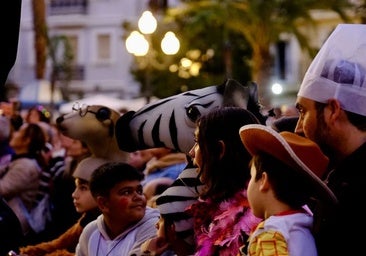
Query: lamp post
(139, 43)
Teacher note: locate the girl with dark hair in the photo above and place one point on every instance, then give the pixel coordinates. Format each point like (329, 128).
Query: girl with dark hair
(222, 216)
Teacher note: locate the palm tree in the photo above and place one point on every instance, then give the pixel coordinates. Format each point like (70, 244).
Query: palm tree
(40, 34)
(61, 63)
(261, 23)
(46, 46)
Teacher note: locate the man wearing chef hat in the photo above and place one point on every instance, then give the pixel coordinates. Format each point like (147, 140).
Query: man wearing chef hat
(332, 106)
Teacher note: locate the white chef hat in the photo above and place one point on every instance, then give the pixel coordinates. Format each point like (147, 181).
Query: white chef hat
(339, 70)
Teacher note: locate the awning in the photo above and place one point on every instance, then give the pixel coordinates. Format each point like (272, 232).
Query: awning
(39, 93)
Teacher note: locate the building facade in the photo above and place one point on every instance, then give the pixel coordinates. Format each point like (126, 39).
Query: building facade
(101, 62)
(95, 33)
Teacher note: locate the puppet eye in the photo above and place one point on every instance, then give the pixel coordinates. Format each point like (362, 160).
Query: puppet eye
(193, 113)
(103, 114)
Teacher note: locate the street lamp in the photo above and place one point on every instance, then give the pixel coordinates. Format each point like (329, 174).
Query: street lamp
(138, 43)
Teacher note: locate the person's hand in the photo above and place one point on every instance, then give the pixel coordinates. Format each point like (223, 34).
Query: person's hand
(154, 246)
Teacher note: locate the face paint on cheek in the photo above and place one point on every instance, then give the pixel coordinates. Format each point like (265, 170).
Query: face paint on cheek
(123, 202)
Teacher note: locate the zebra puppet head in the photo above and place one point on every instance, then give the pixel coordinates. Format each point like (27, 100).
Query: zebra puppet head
(170, 122)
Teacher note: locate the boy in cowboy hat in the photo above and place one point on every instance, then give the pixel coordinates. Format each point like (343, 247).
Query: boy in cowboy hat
(286, 171)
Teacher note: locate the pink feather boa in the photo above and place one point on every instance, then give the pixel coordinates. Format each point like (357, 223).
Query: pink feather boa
(222, 229)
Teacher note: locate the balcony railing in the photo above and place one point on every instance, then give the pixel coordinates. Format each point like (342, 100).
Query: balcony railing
(64, 7)
(77, 72)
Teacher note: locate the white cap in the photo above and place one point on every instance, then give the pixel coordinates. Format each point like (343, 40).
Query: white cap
(87, 166)
(339, 70)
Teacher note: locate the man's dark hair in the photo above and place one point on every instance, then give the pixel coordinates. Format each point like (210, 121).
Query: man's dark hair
(357, 120)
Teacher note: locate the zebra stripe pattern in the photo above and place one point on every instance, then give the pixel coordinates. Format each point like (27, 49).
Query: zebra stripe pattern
(174, 200)
(170, 122)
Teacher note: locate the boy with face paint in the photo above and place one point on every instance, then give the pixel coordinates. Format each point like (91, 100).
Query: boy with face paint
(126, 222)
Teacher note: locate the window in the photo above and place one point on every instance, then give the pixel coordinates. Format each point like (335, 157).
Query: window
(104, 47)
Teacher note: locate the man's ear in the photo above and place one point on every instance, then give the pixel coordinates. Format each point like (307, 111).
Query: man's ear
(335, 110)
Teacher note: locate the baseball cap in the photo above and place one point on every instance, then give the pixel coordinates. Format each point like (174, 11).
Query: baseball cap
(87, 166)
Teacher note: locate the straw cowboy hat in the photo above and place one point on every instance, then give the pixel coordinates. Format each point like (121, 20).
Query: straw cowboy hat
(302, 154)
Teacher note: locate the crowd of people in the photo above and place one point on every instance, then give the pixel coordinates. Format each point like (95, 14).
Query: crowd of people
(36, 181)
(290, 186)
